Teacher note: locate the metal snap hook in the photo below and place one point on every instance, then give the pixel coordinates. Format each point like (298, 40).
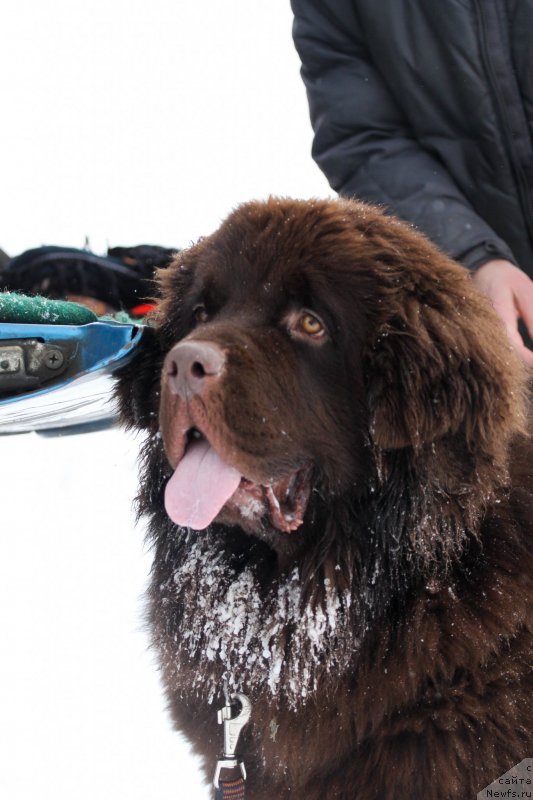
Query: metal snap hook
(234, 715)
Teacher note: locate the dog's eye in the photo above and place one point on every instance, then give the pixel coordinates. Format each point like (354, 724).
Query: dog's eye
(307, 326)
(311, 325)
(200, 313)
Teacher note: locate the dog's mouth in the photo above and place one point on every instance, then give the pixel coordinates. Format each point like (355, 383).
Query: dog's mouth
(204, 487)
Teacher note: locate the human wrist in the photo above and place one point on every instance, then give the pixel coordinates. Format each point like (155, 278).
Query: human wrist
(485, 252)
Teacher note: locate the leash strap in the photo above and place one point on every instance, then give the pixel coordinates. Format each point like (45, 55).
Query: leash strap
(231, 789)
(230, 776)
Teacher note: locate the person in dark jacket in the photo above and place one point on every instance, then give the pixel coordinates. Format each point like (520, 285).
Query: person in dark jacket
(427, 109)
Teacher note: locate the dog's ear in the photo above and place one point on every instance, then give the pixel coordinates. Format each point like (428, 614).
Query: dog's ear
(439, 365)
(138, 387)
(138, 381)
(174, 282)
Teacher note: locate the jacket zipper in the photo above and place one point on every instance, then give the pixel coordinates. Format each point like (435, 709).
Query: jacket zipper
(490, 14)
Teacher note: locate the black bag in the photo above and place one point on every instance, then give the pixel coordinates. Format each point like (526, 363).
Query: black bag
(123, 279)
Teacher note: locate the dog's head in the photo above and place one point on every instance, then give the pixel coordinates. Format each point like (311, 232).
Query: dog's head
(305, 350)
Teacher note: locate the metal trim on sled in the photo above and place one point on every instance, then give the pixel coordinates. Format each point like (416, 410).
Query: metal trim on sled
(60, 375)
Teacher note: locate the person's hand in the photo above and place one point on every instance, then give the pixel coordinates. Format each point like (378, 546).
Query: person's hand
(511, 293)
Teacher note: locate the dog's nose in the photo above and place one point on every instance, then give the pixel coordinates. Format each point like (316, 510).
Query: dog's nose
(191, 367)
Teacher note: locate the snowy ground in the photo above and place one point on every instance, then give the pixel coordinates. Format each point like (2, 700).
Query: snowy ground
(82, 712)
(127, 122)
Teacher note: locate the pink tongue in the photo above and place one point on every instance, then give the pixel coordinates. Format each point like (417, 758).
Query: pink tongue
(202, 483)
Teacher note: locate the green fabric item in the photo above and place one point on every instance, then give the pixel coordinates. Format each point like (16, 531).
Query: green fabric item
(121, 316)
(25, 309)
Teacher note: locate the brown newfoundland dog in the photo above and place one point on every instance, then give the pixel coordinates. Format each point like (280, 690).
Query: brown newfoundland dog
(338, 478)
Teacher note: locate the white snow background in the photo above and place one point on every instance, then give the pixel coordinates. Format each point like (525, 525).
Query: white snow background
(126, 122)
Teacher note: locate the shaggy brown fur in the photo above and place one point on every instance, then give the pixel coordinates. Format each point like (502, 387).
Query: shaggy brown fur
(386, 641)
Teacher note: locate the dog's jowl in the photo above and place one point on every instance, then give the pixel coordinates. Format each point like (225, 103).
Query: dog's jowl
(337, 473)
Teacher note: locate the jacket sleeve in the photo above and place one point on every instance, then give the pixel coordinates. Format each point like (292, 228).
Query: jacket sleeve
(364, 144)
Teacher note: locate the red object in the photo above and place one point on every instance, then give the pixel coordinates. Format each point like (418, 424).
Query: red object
(142, 309)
